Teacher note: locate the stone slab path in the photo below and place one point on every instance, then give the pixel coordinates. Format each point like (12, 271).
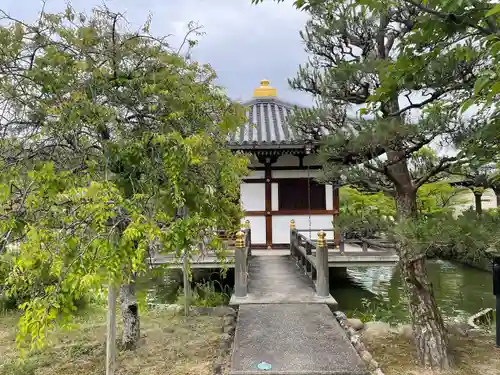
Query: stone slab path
(288, 327)
(294, 339)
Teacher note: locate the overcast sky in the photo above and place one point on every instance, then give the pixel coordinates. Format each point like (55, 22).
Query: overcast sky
(244, 43)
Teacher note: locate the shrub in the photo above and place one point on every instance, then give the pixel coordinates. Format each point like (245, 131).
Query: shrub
(364, 214)
(438, 198)
(208, 294)
(469, 239)
(14, 294)
(472, 239)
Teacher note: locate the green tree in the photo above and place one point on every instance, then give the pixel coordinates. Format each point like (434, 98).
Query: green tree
(437, 198)
(364, 214)
(462, 29)
(478, 177)
(106, 134)
(446, 32)
(359, 55)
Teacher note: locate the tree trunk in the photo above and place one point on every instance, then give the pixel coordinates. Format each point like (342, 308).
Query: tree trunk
(429, 333)
(498, 198)
(130, 315)
(478, 202)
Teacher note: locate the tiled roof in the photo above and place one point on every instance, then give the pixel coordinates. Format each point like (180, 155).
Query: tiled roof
(267, 125)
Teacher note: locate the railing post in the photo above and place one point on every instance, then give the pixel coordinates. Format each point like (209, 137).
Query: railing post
(249, 237)
(293, 237)
(322, 274)
(240, 266)
(342, 243)
(308, 248)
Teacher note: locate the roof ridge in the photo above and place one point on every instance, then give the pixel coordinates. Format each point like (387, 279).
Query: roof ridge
(271, 99)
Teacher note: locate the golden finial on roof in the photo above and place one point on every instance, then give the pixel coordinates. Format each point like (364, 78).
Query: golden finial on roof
(264, 89)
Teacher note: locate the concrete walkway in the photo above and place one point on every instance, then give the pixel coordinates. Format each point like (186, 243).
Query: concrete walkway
(284, 324)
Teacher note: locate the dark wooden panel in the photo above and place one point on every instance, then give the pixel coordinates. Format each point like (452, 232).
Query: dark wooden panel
(286, 168)
(293, 194)
(336, 211)
(268, 206)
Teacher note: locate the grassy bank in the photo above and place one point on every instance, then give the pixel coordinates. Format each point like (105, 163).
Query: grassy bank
(169, 345)
(472, 356)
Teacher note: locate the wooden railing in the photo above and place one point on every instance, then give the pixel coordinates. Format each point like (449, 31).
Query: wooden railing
(242, 253)
(365, 243)
(374, 243)
(315, 265)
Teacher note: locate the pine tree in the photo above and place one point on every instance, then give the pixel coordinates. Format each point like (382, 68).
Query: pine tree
(360, 54)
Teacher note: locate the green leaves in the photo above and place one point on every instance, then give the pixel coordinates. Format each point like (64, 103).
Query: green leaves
(111, 133)
(493, 11)
(481, 83)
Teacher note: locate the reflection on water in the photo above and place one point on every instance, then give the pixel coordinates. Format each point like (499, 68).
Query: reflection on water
(460, 290)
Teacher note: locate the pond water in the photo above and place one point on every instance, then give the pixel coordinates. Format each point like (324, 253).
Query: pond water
(373, 293)
(460, 290)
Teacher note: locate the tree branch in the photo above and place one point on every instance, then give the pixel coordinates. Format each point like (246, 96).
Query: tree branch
(450, 17)
(443, 164)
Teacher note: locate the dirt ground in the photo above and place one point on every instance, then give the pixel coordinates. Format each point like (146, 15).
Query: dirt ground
(471, 355)
(170, 345)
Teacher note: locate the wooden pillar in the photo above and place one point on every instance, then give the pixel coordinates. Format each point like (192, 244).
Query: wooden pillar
(336, 211)
(268, 207)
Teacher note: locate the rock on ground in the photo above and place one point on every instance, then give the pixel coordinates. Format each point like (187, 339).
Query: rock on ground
(405, 330)
(376, 329)
(355, 323)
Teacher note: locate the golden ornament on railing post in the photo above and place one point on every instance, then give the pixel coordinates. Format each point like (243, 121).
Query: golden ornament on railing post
(321, 239)
(240, 266)
(240, 240)
(293, 237)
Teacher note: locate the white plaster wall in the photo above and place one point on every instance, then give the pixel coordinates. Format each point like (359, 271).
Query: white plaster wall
(256, 175)
(281, 226)
(253, 196)
(274, 196)
(258, 226)
(296, 174)
(329, 197)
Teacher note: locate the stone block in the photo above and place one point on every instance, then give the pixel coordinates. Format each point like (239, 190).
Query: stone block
(366, 356)
(357, 324)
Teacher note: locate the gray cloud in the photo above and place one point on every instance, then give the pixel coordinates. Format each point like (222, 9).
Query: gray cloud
(244, 43)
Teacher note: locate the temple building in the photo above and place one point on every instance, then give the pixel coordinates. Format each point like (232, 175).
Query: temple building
(281, 185)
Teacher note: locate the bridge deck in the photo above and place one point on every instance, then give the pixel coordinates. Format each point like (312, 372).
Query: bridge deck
(276, 279)
(353, 256)
(283, 322)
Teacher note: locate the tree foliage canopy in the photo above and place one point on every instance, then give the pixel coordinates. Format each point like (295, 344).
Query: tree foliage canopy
(414, 66)
(106, 134)
(438, 47)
